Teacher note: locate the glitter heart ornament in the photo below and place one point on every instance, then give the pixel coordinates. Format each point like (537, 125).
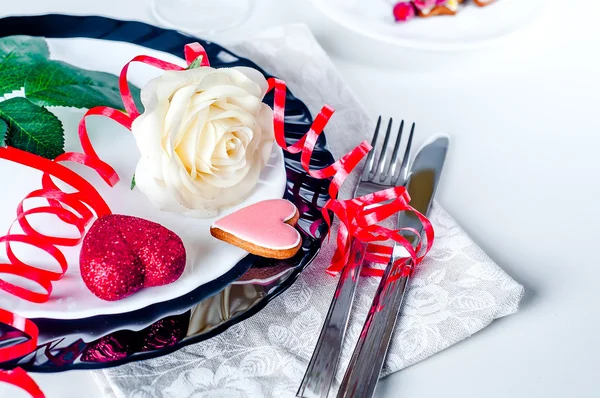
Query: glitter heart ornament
(123, 254)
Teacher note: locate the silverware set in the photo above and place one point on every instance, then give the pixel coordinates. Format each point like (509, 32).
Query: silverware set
(362, 373)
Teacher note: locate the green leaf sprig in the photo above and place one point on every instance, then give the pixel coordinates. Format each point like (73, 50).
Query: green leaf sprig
(195, 63)
(32, 128)
(25, 123)
(3, 130)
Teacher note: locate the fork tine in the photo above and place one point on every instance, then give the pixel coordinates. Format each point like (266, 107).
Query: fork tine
(381, 166)
(394, 161)
(371, 156)
(404, 168)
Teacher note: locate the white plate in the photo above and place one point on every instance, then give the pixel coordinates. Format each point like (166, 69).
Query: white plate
(207, 258)
(471, 27)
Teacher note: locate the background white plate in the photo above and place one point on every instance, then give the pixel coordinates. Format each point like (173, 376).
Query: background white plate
(207, 258)
(471, 27)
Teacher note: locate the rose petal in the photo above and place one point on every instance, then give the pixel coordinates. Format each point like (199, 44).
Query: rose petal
(207, 140)
(256, 77)
(179, 104)
(172, 81)
(147, 131)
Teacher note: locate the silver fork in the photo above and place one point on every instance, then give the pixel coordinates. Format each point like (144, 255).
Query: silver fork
(321, 368)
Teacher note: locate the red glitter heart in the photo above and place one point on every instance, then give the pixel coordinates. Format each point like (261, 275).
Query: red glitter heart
(122, 254)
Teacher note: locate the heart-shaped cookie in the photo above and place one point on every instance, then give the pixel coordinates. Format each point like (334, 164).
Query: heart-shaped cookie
(265, 228)
(122, 254)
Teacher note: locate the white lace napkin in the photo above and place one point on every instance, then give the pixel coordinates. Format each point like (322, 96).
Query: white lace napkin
(457, 291)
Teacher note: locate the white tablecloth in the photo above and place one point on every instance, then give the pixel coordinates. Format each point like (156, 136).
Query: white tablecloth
(521, 180)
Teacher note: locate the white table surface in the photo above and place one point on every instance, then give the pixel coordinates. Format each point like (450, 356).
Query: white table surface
(522, 178)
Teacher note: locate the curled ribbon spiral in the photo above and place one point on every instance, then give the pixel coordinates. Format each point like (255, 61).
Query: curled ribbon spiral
(18, 377)
(359, 217)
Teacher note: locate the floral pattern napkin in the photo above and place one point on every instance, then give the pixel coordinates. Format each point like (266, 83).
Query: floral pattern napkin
(457, 291)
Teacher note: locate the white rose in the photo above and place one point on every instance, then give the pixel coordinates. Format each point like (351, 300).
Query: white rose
(204, 138)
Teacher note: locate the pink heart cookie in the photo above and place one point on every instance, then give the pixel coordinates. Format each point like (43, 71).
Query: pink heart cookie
(265, 228)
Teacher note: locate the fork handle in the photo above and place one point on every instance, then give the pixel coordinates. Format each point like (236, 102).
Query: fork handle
(321, 369)
(367, 360)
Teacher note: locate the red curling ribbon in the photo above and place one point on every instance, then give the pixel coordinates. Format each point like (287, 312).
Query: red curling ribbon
(18, 377)
(89, 157)
(126, 96)
(340, 169)
(191, 51)
(194, 50)
(24, 325)
(84, 202)
(358, 217)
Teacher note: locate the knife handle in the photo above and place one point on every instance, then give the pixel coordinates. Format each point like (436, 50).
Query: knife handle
(367, 360)
(321, 368)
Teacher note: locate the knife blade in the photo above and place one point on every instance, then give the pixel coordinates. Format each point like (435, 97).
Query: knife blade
(322, 366)
(362, 374)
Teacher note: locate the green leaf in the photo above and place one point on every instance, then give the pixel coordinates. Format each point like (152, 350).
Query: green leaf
(133, 182)
(195, 63)
(32, 128)
(3, 130)
(56, 83)
(18, 56)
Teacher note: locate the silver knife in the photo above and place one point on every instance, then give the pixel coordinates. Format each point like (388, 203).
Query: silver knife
(322, 366)
(367, 360)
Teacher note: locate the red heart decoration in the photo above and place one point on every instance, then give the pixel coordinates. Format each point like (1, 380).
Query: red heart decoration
(122, 254)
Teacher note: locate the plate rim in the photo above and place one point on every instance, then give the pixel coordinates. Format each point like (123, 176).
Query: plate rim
(232, 321)
(434, 46)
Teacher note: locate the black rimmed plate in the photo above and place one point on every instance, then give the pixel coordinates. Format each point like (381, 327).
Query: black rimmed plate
(108, 340)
